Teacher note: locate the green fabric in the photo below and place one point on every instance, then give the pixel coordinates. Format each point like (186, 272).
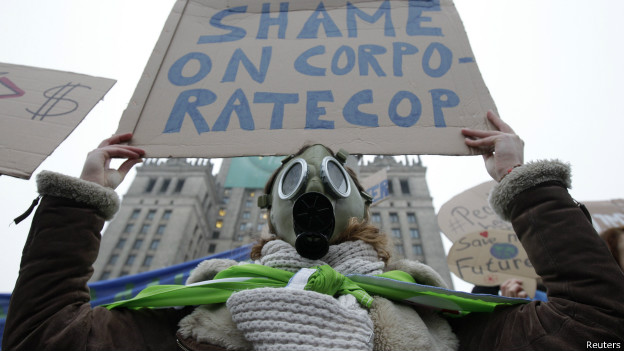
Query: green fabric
(395, 285)
(327, 281)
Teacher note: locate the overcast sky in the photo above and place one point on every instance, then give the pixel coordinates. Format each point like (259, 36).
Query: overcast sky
(552, 67)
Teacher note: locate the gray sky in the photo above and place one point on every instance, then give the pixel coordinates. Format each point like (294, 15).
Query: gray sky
(553, 68)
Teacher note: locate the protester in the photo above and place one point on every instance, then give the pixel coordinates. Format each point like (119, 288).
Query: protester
(614, 237)
(50, 304)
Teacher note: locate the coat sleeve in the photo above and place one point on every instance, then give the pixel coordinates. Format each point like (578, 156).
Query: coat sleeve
(49, 307)
(583, 281)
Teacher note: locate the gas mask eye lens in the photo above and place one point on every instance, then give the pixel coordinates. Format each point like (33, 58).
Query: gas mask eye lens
(292, 179)
(336, 177)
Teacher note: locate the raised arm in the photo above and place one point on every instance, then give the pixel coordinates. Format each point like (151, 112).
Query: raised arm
(584, 283)
(97, 165)
(49, 308)
(503, 149)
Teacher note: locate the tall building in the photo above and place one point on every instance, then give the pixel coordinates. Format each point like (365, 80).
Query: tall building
(175, 210)
(407, 216)
(165, 218)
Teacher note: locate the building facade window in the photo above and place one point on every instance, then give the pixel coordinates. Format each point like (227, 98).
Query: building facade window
(151, 214)
(179, 186)
(215, 234)
(130, 260)
(166, 215)
(148, 261)
(212, 248)
(154, 244)
(150, 185)
(160, 230)
(144, 229)
(121, 243)
(105, 275)
(113, 259)
(128, 228)
(411, 217)
(417, 250)
(222, 212)
(414, 233)
(396, 232)
(405, 190)
(137, 244)
(376, 217)
(390, 187)
(165, 185)
(135, 214)
(246, 215)
(248, 203)
(394, 217)
(219, 224)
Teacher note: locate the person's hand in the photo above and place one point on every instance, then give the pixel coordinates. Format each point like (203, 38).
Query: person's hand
(513, 288)
(97, 165)
(503, 149)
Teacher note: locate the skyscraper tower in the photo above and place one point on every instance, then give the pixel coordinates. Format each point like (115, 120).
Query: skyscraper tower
(407, 215)
(165, 218)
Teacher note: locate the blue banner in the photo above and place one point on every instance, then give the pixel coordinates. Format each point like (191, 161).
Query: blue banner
(126, 287)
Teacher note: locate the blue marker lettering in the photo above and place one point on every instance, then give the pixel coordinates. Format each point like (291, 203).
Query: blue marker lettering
(384, 10)
(314, 111)
(236, 33)
(350, 58)
(278, 100)
(383, 187)
(415, 18)
(175, 71)
(366, 57)
(242, 111)
(353, 115)
(400, 50)
(372, 191)
(451, 100)
(187, 103)
(311, 27)
(415, 111)
(301, 63)
(266, 20)
(256, 74)
(446, 59)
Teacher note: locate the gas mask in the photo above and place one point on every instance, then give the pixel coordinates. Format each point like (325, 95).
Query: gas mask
(312, 199)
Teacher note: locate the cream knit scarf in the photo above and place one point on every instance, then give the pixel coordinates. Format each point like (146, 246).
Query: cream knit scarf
(250, 317)
(351, 257)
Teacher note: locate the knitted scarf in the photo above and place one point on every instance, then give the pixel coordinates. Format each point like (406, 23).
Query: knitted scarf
(342, 323)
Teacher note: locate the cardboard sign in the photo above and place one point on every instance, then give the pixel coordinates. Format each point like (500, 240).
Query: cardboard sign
(470, 212)
(490, 257)
(38, 110)
(236, 78)
(376, 185)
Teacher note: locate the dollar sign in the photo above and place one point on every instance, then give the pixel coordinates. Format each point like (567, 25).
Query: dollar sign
(55, 96)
